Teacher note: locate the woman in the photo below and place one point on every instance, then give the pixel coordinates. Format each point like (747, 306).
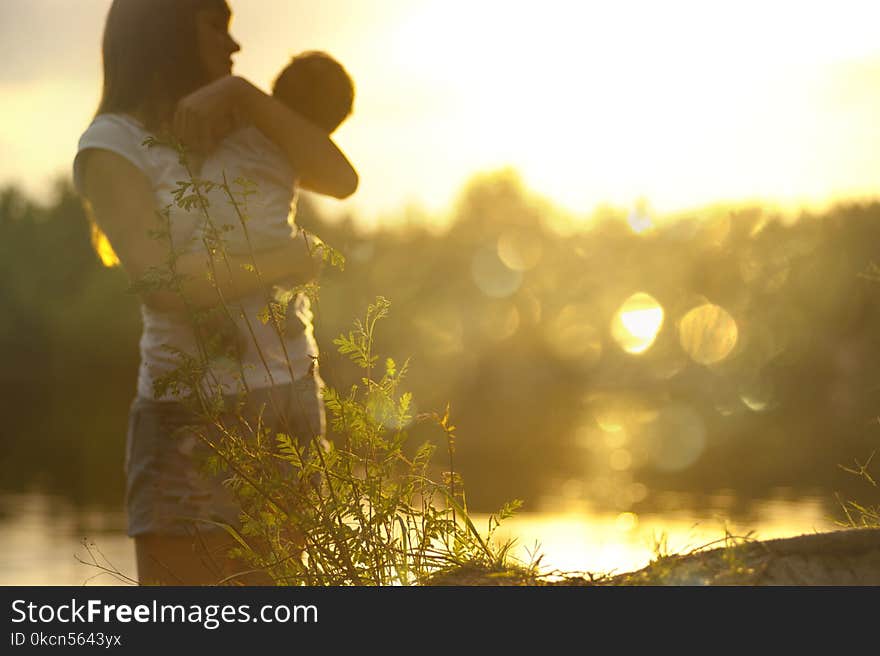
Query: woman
(167, 68)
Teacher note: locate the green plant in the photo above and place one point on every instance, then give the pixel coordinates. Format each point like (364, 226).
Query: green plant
(357, 511)
(860, 515)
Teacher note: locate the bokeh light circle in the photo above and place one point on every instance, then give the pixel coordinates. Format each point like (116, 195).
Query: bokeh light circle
(708, 334)
(637, 323)
(494, 278)
(519, 249)
(677, 438)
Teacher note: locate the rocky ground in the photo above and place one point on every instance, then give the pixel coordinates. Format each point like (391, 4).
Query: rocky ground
(848, 557)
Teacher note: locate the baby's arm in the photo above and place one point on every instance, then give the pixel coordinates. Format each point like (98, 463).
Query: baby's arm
(308, 150)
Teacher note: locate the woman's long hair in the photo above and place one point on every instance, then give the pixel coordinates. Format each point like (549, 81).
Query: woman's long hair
(151, 57)
(151, 61)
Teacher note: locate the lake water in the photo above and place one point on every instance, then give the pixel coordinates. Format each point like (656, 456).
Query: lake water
(45, 538)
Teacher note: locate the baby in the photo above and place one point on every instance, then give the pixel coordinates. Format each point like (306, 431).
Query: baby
(316, 87)
(320, 90)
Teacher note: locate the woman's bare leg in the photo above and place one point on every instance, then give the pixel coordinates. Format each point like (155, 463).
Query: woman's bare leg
(191, 560)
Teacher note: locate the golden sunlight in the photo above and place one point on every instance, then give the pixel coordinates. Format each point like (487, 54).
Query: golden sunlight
(101, 244)
(628, 248)
(682, 103)
(637, 323)
(616, 101)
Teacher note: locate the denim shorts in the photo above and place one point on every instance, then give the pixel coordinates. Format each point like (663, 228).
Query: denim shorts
(167, 490)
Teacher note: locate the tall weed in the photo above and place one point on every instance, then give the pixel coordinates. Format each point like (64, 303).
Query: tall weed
(355, 511)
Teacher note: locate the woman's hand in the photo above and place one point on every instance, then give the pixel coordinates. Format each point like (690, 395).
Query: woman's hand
(208, 114)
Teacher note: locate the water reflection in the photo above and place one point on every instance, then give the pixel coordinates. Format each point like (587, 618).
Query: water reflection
(602, 543)
(42, 535)
(626, 521)
(43, 538)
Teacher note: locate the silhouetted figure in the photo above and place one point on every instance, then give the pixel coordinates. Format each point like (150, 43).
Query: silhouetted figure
(167, 66)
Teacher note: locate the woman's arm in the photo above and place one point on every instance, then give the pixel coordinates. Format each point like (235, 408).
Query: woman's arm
(202, 117)
(122, 202)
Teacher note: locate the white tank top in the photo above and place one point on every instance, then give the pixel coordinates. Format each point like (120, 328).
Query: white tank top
(166, 332)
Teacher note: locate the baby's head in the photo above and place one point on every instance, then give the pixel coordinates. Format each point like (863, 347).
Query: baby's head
(318, 88)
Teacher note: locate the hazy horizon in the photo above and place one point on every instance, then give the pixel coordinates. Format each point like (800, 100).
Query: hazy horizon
(684, 104)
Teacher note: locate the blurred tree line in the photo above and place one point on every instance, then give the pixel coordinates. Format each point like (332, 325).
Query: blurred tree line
(507, 314)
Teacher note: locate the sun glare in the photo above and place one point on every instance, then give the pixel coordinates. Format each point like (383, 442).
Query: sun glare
(683, 103)
(637, 323)
(612, 102)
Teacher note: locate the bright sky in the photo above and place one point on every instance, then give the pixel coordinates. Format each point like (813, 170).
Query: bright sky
(683, 102)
